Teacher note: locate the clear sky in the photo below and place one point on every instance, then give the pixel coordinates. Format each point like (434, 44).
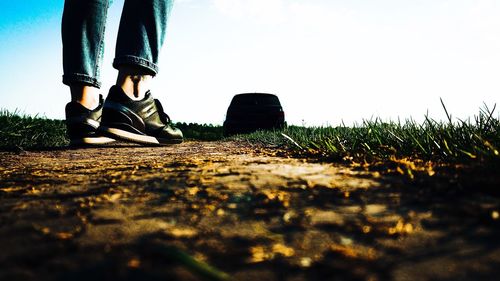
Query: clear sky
(327, 60)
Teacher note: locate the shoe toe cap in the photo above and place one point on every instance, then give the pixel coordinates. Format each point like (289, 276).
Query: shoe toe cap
(170, 134)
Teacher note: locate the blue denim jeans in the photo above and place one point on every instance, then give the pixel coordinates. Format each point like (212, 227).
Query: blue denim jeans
(141, 35)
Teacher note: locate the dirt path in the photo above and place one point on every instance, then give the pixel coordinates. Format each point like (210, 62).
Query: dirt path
(124, 212)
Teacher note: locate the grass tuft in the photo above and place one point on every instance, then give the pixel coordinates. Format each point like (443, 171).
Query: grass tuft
(460, 141)
(19, 131)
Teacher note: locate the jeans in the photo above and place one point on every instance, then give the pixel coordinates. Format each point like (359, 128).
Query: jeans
(141, 35)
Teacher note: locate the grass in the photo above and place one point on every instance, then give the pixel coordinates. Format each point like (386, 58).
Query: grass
(200, 132)
(19, 131)
(461, 141)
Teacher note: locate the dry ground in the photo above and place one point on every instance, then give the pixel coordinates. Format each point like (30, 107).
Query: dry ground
(133, 213)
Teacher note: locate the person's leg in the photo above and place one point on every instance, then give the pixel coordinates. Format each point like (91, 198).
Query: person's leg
(83, 25)
(140, 38)
(130, 112)
(82, 31)
(134, 81)
(86, 95)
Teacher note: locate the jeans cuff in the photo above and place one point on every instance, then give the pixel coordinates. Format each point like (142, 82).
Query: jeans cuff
(136, 61)
(78, 78)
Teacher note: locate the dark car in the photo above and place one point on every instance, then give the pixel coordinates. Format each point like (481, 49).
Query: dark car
(251, 112)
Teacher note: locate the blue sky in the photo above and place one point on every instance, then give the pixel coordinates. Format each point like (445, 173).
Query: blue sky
(327, 60)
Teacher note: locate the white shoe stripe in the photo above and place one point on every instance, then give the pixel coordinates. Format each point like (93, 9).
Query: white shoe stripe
(92, 140)
(131, 136)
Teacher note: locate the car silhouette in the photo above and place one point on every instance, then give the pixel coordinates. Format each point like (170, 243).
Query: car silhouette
(253, 111)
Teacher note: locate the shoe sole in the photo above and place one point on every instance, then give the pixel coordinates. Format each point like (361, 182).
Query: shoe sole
(91, 141)
(136, 138)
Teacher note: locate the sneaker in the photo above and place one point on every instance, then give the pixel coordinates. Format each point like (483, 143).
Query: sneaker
(142, 122)
(82, 124)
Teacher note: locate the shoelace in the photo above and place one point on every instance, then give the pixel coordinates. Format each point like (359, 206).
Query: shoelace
(163, 116)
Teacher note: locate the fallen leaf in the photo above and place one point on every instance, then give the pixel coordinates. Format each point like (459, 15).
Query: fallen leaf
(112, 198)
(134, 263)
(306, 262)
(183, 232)
(64, 235)
(283, 250)
(193, 190)
(401, 228)
(495, 215)
(11, 189)
(258, 254)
